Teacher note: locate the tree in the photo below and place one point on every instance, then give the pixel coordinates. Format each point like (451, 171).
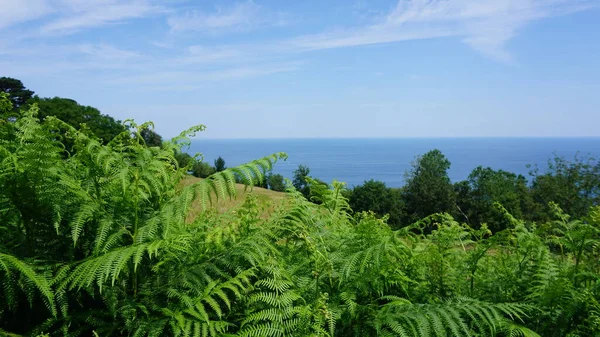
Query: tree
(202, 169)
(183, 159)
(485, 186)
(375, 196)
(69, 111)
(573, 185)
(275, 182)
(151, 138)
(428, 189)
(18, 94)
(299, 182)
(220, 164)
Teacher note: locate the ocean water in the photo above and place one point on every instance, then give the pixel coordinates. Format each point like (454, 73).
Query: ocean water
(356, 160)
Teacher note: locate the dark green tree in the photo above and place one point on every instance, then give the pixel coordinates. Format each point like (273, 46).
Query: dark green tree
(183, 158)
(573, 185)
(69, 111)
(220, 164)
(151, 138)
(275, 182)
(485, 186)
(375, 196)
(428, 188)
(299, 182)
(18, 94)
(202, 169)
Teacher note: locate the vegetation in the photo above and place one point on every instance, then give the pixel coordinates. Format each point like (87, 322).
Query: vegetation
(105, 233)
(69, 111)
(299, 182)
(220, 164)
(115, 240)
(16, 91)
(572, 185)
(376, 197)
(275, 182)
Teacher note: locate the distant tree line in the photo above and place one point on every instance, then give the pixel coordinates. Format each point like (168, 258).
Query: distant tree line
(572, 185)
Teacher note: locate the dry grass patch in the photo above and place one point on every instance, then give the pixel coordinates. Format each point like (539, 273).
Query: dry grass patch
(268, 200)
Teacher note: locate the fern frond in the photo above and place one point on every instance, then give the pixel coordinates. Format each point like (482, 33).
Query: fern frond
(10, 264)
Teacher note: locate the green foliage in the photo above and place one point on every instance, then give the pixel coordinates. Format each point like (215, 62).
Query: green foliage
(202, 169)
(276, 182)
(79, 116)
(101, 242)
(428, 189)
(485, 186)
(573, 185)
(375, 196)
(6, 105)
(220, 164)
(17, 92)
(299, 181)
(151, 138)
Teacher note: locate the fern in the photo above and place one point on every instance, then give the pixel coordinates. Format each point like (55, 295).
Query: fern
(460, 317)
(100, 241)
(10, 265)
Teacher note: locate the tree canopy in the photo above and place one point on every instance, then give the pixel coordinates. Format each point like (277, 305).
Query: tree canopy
(69, 111)
(299, 181)
(375, 196)
(220, 164)
(428, 189)
(483, 188)
(18, 94)
(573, 185)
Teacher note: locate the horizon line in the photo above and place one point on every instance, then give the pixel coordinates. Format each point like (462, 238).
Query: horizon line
(408, 137)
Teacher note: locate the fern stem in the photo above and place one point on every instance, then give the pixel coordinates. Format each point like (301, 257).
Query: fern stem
(135, 228)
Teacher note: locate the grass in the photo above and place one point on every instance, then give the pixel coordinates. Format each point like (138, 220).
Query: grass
(268, 200)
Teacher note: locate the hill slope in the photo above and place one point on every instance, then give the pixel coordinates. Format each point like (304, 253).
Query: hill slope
(268, 200)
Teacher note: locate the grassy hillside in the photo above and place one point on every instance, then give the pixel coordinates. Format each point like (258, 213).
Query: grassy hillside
(267, 200)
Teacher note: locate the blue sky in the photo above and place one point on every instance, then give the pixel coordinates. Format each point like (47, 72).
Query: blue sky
(287, 69)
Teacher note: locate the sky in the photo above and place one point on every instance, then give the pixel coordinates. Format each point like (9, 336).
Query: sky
(317, 69)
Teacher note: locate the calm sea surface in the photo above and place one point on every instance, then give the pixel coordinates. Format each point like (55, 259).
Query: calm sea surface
(357, 160)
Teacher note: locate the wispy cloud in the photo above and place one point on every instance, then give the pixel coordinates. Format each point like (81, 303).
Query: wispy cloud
(107, 52)
(241, 16)
(486, 26)
(209, 54)
(82, 14)
(16, 12)
(199, 78)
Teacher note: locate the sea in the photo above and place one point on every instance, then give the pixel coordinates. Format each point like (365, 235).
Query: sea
(356, 160)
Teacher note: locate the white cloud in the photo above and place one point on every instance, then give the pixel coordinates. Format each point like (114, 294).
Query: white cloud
(107, 52)
(206, 54)
(240, 17)
(82, 14)
(188, 79)
(15, 12)
(485, 25)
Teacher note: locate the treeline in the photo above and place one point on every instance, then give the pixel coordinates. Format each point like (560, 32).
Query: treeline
(573, 185)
